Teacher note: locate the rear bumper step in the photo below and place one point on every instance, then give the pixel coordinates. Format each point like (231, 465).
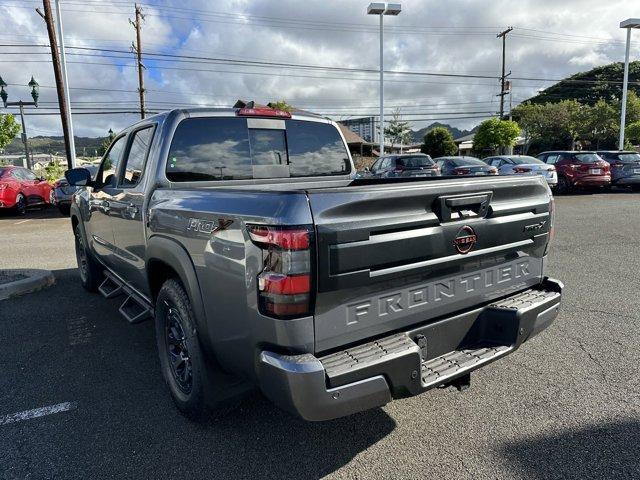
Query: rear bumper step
(406, 363)
(451, 365)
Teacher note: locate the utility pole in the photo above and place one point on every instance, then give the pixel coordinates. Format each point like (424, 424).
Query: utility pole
(504, 76)
(65, 82)
(137, 49)
(48, 18)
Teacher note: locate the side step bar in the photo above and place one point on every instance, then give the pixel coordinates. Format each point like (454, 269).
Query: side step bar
(134, 309)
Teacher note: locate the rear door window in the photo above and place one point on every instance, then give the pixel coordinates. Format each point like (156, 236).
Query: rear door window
(414, 162)
(108, 174)
(226, 148)
(137, 156)
(552, 159)
(629, 157)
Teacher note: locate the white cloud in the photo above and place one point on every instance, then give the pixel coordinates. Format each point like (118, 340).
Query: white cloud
(429, 36)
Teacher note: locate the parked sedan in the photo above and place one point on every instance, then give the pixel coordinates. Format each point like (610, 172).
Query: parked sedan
(625, 168)
(21, 188)
(577, 169)
(407, 165)
(63, 192)
(464, 166)
(523, 165)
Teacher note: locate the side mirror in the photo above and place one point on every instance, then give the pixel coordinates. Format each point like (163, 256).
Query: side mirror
(78, 177)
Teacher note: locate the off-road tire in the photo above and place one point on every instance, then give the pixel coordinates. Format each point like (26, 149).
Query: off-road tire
(88, 267)
(182, 360)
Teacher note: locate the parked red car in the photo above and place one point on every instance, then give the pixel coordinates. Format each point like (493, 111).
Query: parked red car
(20, 188)
(578, 169)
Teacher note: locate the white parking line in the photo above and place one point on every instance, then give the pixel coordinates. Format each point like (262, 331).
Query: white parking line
(37, 412)
(22, 221)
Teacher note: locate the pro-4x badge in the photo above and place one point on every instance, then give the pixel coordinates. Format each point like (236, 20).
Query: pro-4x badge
(465, 239)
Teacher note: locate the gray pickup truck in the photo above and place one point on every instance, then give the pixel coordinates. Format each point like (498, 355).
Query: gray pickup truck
(264, 262)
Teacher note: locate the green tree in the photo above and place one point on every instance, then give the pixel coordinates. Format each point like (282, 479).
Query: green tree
(9, 128)
(54, 171)
(398, 131)
(633, 108)
(106, 143)
(549, 126)
(494, 134)
(280, 105)
(632, 132)
(438, 142)
(601, 122)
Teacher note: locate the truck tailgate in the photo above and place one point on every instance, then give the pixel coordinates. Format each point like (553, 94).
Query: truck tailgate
(397, 254)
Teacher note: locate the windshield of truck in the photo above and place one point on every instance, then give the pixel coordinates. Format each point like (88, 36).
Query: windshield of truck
(227, 148)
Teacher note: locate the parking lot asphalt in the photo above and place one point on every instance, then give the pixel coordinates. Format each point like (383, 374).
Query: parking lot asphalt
(566, 405)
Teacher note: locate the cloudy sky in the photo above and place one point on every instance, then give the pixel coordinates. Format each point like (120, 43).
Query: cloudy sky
(325, 51)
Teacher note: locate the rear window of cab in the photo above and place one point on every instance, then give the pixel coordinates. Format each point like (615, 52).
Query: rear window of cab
(231, 148)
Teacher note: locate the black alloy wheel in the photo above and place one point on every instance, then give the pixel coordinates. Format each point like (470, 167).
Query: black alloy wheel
(21, 204)
(177, 350)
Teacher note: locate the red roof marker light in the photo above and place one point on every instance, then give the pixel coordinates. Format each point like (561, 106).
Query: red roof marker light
(263, 112)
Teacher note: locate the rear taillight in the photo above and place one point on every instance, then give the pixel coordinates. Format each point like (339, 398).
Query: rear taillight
(552, 222)
(462, 171)
(285, 282)
(617, 165)
(552, 169)
(521, 170)
(493, 171)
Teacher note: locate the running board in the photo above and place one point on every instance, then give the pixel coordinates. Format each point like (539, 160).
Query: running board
(110, 287)
(134, 309)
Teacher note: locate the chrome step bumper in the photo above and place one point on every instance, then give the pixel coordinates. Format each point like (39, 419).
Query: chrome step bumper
(407, 363)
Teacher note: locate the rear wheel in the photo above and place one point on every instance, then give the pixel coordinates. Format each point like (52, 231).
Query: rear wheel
(88, 267)
(52, 197)
(21, 204)
(563, 186)
(64, 210)
(635, 188)
(181, 358)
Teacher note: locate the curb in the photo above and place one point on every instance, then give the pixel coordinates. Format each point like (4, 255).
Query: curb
(36, 280)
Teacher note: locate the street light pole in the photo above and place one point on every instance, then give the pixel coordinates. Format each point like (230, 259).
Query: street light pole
(35, 94)
(628, 24)
(382, 9)
(24, 135)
